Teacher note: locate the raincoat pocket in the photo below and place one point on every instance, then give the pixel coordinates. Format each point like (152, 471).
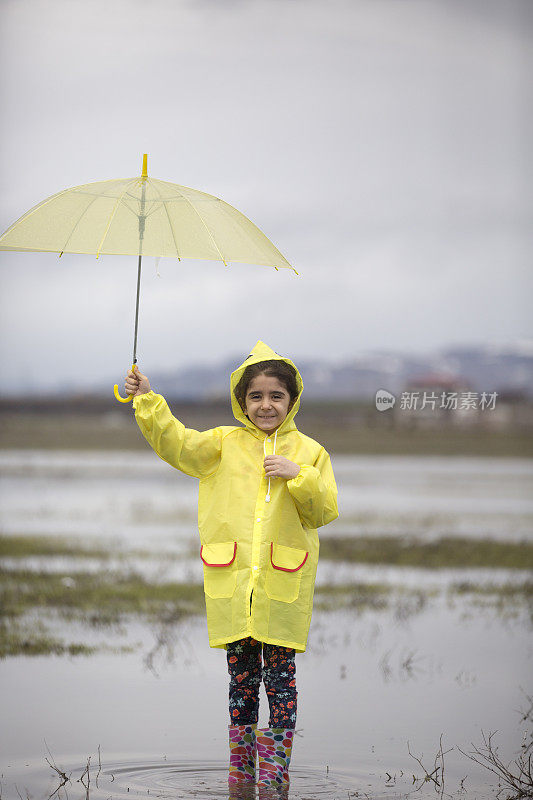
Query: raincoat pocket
(220, 574)
(285, 572)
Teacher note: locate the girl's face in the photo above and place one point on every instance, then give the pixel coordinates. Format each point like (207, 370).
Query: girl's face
(267, 402)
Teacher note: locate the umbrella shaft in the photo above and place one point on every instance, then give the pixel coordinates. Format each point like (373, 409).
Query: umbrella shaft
(142, 223)
(137, 311)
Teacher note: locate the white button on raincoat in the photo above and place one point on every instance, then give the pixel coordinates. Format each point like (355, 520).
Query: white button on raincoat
(260, 556)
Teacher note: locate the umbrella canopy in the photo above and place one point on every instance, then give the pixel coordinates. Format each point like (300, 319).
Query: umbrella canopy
(142, 216)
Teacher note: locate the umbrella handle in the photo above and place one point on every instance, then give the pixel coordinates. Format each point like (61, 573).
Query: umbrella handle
(117, 395)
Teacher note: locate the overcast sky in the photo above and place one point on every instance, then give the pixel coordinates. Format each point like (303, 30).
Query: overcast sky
(383, 145)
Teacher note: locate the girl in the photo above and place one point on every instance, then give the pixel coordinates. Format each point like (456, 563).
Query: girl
(264, 490)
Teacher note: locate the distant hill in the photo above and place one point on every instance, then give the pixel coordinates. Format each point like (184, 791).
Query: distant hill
(508, 371)
(489, 369)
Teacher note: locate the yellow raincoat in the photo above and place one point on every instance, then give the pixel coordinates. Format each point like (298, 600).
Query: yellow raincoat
(259, 556)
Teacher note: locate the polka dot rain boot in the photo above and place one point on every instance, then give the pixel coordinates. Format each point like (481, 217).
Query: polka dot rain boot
(242, 754)
(274, 747)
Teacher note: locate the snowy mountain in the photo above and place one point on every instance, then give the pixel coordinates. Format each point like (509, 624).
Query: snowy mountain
(480, 368)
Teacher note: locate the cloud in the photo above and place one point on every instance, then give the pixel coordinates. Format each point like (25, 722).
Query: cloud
(383, 147)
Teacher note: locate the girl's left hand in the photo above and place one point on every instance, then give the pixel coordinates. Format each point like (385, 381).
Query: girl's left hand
(280, 467)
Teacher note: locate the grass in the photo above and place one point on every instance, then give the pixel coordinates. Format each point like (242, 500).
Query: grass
(332, 426)
(27, 546)
(446, 552)
(506, 590)
(34, 639)
(440, 441)
(69, 432)
(14, 546)
(356, 596)
(506, 600)
(31, 599)
(101, 599)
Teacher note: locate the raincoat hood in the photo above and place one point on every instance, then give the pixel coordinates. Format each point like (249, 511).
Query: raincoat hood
(262, 352)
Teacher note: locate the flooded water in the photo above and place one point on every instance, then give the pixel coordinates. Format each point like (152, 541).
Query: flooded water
(136, 497)
(367, 685)
(373, 684)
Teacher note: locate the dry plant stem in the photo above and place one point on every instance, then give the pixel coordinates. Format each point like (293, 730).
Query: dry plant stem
(442, 769)
(64, 777)
(86, 772)
(432, 776)
(527, 716)
(64, 780)
(487, 756)
(99, 766)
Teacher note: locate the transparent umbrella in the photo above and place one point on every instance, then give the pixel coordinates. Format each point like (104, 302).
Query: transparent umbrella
(141, 216)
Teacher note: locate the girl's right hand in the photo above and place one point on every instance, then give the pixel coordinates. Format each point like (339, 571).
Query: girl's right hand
(136, 383)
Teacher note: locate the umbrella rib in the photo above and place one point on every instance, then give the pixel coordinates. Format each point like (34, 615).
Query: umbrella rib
(78, 222)
(126, 206)
(169, 220)
(205, 226)
(135, 180)
(148, 202)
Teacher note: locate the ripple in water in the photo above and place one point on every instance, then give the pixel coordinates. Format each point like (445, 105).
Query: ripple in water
(184, 780)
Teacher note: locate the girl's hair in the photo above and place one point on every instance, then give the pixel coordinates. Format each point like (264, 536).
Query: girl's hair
(285, 373)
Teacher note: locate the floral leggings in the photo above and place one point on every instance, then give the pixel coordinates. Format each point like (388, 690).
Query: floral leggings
(278, 674)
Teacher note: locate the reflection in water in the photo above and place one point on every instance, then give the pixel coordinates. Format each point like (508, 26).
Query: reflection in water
(171, 645)
(209, 781)
(258, 793)
(184, 780)
(243, 792)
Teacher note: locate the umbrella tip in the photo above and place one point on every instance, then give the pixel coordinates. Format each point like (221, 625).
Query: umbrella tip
(145, 166)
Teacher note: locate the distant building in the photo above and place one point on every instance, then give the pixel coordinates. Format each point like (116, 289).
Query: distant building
(513, 409)
(435, 399)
